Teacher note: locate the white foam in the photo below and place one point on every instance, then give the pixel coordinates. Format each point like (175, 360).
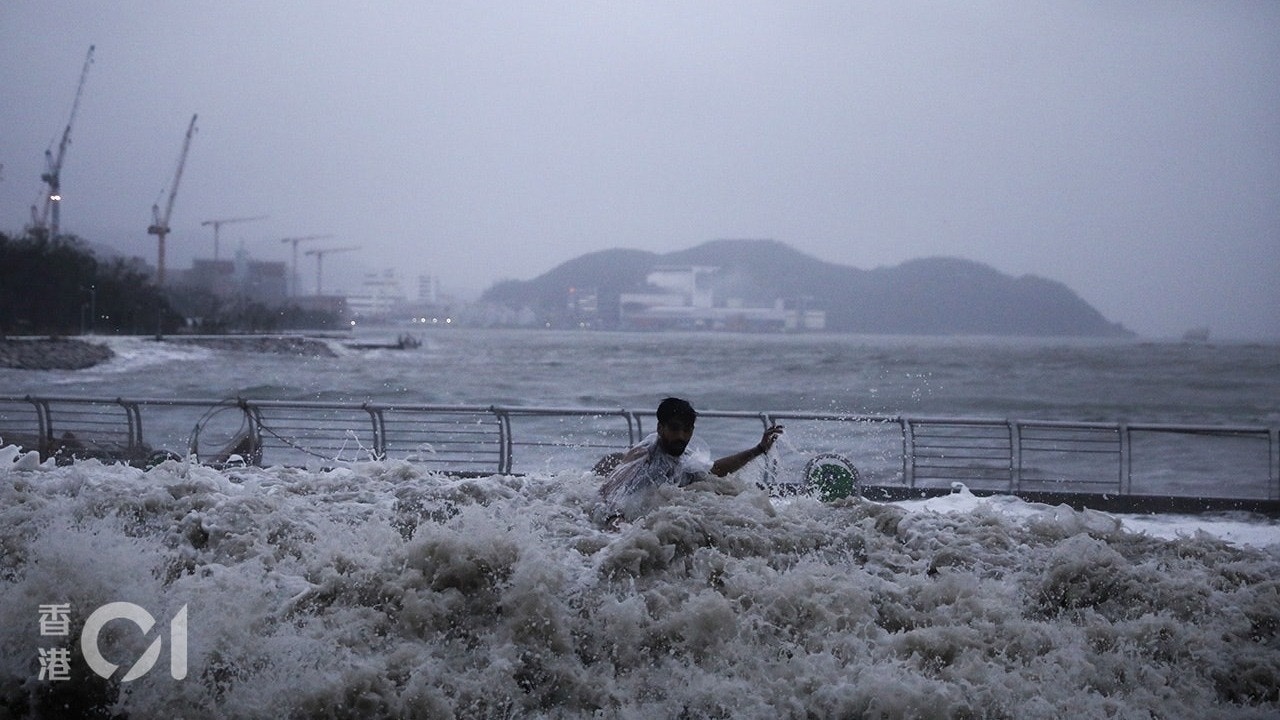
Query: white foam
(134, 354)
(1243, 529)
(381, 590)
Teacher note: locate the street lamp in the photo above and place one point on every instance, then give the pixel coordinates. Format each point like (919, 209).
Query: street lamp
(93, 309)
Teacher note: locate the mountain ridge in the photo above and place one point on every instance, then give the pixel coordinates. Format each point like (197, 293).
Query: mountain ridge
(940, 295)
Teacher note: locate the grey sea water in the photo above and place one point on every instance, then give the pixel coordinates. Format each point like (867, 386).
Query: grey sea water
(1075, 380)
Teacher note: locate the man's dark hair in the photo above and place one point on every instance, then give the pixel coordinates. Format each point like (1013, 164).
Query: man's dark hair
(675, 409)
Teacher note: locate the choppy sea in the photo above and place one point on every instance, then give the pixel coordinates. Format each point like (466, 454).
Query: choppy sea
(383, 590)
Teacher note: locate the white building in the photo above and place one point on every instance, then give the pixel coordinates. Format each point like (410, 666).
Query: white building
(377, 296)
(685, 299)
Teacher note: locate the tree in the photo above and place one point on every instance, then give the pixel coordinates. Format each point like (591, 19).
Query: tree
(57, 286)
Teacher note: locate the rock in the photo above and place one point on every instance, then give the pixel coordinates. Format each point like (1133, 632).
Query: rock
(65, 354)
(51, 354)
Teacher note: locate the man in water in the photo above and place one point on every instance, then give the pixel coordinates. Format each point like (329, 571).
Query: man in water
(665, 458)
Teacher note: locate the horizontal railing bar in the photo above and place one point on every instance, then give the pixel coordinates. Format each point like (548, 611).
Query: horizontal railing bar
(949, 442)
(744, 414)
(1071, 450)
(1033, 446)
(934, 463)
(1059, 480)
(560, 443)
(1071, 442)
(918, 422)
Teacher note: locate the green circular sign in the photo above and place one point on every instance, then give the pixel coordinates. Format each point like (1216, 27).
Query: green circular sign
(832, 477)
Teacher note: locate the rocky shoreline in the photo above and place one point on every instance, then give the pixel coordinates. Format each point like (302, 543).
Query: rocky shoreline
(53, 353)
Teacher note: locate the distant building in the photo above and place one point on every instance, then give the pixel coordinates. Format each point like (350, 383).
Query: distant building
(377, 297)
(215, 276)
(383, 298)
(428, 289)
(691, 282)
(331, 304)
(264, 282)
(684, 298)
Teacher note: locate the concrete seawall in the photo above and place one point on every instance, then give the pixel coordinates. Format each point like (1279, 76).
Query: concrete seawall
(273, 344)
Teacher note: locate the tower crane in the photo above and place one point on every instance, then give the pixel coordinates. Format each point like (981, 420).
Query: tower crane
(160, 226)
(293, 285)
(320, 253)
(217, 224)
(48, 218)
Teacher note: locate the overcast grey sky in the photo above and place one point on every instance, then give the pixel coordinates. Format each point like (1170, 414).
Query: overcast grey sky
(1128, 149)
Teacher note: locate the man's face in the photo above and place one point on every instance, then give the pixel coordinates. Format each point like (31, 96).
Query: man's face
(674, 436)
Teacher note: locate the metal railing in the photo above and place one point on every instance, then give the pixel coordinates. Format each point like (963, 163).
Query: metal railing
(916, 453)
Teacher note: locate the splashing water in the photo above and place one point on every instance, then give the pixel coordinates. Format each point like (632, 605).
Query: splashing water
(379, 590)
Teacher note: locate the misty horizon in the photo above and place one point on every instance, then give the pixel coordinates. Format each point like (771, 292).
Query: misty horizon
(1128, 151)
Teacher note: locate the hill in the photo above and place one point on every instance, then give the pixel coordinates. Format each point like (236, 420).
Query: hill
(930, 296)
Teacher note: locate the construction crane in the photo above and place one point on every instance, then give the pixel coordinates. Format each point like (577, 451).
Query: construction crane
(47, 219)
(217, 224)
(293, 284)
(160, 226)
(320, 253)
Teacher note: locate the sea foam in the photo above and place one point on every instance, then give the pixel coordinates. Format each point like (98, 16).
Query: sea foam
(383, 590)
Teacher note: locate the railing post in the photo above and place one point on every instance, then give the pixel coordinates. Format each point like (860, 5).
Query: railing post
(1126, 458)
(505, 442)
(44, 427)
(1274, 492)
(1015, 456)
(633, 427)
(254, 416)
(770, 460)
(908, 453)
(134, 422)
(379, 431)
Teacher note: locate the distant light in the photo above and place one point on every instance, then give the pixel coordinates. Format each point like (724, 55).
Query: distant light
(55, 198)
(448, 321)
(353, 323)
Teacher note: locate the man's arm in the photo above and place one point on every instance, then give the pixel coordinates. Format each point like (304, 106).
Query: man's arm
(737, 461)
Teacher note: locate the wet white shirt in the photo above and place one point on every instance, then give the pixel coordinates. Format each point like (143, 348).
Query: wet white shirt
(646, 466)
